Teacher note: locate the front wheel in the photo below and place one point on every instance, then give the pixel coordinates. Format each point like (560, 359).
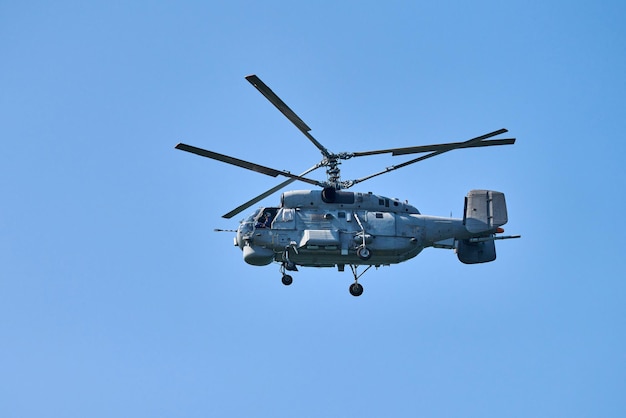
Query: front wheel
(364, 253)
(287, 280)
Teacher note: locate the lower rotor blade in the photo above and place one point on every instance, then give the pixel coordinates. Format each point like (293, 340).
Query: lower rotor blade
(262, 196)
(229, 160)
(243, 164)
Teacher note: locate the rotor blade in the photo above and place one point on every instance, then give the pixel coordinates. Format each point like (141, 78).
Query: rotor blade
(465, 144)
(243, 164)
(285, 110)
(440, 147)
(262, 196)
(435, 147)
(453, 145)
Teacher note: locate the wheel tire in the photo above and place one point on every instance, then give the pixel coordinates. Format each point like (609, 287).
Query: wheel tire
(287, 279)
(364, 253)
(356, 289)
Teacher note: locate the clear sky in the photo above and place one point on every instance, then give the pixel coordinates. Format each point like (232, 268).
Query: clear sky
(117, 299)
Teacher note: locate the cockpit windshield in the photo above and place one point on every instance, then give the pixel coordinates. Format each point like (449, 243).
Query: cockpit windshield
(252, 217)
(247, 225)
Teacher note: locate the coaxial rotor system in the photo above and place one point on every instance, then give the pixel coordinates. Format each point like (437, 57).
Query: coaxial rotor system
(329, 159)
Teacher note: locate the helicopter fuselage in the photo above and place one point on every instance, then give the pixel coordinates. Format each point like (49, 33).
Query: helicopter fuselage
(325, 228)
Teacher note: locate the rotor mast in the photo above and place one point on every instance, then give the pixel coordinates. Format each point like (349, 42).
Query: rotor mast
(333, 172)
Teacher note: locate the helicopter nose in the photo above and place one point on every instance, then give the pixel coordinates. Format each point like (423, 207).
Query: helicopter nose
(239, 238)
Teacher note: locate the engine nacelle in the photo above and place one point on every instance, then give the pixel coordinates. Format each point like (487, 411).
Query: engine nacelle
(257, 256)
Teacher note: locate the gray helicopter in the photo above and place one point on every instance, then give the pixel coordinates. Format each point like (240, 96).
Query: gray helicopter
(333, 227)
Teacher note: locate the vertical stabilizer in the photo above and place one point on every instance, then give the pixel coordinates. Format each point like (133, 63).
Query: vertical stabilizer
(485, 210)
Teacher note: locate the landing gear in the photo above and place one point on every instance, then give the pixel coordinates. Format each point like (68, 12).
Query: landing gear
(363, 253)
(284, 267)
(287, 279)
(287, 265)
(356, 289)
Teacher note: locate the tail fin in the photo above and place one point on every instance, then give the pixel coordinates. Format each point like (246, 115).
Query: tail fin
(485, 211)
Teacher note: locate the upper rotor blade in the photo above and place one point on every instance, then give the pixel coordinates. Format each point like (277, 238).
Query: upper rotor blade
(244, 164)
(465, 144)
(285, 110)
(435, 147)
(276, 101)
(262, 196)
(475, 142)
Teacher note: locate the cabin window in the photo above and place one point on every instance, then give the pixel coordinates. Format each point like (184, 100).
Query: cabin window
(381, 202)
(287, 215)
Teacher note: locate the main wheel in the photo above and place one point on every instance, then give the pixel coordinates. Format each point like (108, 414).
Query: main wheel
(356, 289)
(364, 253)
(287, 279)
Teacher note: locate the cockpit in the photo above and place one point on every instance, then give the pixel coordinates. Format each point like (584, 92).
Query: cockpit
(260, 219)
(265, 217)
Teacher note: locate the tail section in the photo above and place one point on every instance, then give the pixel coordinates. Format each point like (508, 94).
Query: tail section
(484, 214)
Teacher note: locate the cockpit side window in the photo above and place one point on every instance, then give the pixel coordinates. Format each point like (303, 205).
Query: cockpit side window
(265, 217)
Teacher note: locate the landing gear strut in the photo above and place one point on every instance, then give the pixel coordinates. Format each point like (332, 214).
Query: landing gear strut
(362, 251)
(284, 267)
(287, 265)
(356, 288)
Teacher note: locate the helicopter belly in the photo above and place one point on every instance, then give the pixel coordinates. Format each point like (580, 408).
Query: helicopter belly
(385, 250)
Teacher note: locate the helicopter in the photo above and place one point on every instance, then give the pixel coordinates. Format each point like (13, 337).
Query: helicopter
(333, 227)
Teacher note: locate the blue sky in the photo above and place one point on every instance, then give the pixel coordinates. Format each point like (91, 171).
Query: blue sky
(118, 299)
